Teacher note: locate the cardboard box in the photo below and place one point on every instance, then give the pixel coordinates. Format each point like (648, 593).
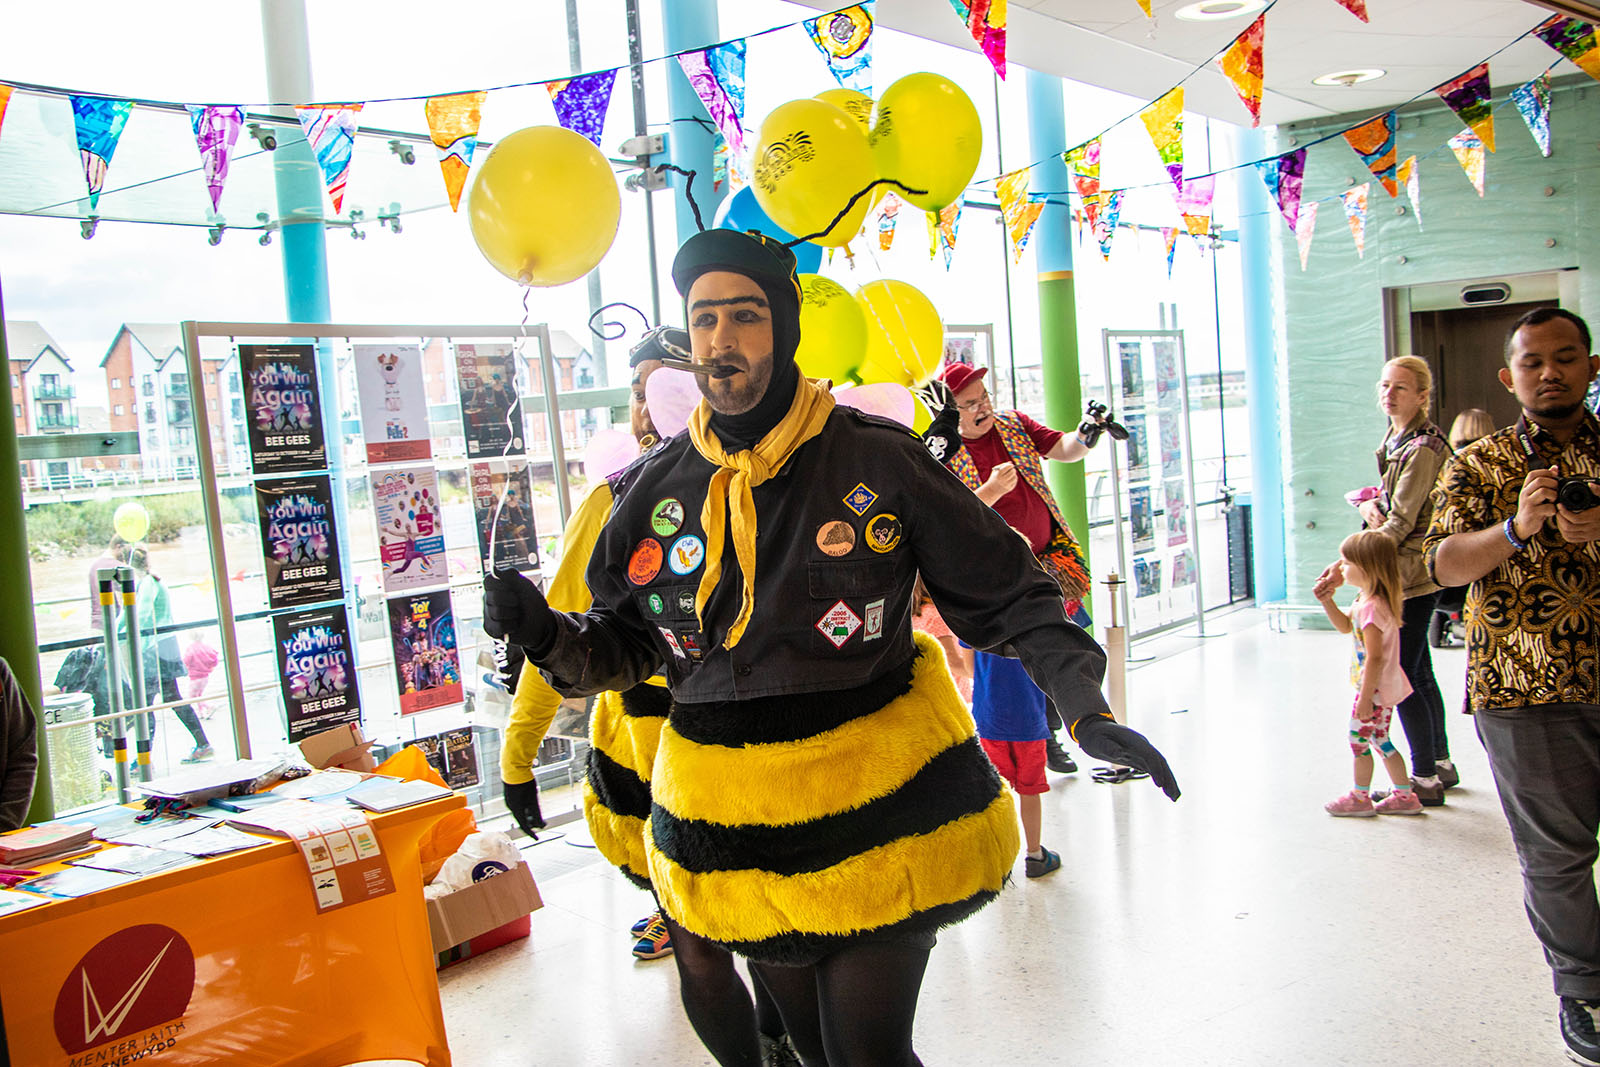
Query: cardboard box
(483, 906)
(343, 746)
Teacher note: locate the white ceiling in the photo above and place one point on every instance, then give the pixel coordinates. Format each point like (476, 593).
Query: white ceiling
(1109, 43)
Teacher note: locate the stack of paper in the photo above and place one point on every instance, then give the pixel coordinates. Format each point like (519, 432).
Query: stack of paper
(43, 843)
(386, 794)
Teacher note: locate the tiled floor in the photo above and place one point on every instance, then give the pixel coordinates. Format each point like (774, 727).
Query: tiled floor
(1239, 926)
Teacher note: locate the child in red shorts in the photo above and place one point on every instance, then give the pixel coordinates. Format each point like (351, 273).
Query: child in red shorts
(1010, 713)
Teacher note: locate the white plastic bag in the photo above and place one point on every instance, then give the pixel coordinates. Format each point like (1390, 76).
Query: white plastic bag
(482, 855)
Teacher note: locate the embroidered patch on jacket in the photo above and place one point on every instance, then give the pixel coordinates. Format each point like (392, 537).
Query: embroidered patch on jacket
(687, 554)
(672, 642)
(691, 644)
(874, 614)
(883, 532)
(838, 623)
(836, 538)
(860, 498)
(657, 605)
(645, 563)
(686, 602)
(666, 518)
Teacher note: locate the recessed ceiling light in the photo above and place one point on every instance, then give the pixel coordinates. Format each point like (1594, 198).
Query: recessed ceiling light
(1212, 10)
(1347, 78)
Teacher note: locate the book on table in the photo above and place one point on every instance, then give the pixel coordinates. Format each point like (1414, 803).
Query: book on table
(43, 842)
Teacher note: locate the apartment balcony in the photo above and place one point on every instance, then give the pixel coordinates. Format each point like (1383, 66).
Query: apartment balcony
(56, 423)
(54, 392)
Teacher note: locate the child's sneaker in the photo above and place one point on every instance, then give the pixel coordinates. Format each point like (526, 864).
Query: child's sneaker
(638, 928)
(655, 942)
(1400, 802)
(1038, 868)
(1353, 805)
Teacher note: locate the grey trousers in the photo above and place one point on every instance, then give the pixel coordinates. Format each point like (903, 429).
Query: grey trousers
(1546, 764)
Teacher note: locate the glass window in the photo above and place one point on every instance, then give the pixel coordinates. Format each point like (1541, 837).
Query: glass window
(116, 383)
(117, 410)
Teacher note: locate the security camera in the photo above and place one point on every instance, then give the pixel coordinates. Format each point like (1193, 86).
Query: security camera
(264, 137)
(215, 237)
(407, 155)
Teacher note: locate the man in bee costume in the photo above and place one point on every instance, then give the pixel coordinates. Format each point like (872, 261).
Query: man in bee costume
(820, 803)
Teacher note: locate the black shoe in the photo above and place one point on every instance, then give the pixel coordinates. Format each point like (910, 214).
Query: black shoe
(1449, 777)
(1429, 790)
(1578, 1030)
(1056, 758)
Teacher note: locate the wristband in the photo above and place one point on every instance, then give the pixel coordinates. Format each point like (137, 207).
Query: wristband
(1510, 530)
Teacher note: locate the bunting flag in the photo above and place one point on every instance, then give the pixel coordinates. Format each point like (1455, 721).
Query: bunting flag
(1169, 235)
(1574, 39)
(1110, 212)
(1355, 213)
(99, 124)
(717, 76)
(581, 103)
(1164, 120)
(845, 40)
(1144, 5)
(1532, 100)
(331, 132)
(5, 98)
(1468, 96)
(1358, 8)
(453, 126)
(1194, 203)
(887, 216)
(1083, 162)
(1409, 174)
(1303, 229)
(1242, 64)
(216, 130)
(942, 231)
(986, 21)
(1285, 176)
(1374, 142)
(1470, 154)
(719, 161)
(1019, 212)
(1077, 217)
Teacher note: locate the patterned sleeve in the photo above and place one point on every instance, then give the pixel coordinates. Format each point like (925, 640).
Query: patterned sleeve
(1462, 503)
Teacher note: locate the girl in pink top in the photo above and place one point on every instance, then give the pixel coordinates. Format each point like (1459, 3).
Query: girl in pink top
(1368, 561)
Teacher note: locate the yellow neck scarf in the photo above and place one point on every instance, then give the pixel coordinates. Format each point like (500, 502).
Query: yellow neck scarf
(729, 491)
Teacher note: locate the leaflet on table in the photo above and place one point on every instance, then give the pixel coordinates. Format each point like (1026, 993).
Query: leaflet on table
(200, 779)
(491, 407)
(339, 845)
(75, 882)
(427, 668)
(318, 785)
(316, 675)
(286, 431)
(299, 540)
(394, 402)
(387, 794)
(134, 859)
(11, 901)
(405, 503)
(215, 841)
(502, 501)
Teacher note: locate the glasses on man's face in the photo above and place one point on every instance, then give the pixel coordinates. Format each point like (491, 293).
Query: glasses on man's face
(982, 401)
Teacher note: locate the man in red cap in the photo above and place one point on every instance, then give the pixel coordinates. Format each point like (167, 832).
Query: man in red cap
(999, 459)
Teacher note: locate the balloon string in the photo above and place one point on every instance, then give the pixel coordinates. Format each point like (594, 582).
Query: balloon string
(516, 353)
(604, 330)
(852, 203)
(688, 190)
(899, 314)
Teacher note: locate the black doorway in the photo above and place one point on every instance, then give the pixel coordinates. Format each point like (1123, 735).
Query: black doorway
(1465, 348)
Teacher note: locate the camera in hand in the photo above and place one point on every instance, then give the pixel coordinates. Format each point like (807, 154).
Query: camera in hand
(1574, 494)
(1099, 421)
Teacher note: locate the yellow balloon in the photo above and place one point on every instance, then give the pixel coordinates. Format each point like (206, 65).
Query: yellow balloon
(927, 136)
(131, 521)
(810, 159)
(544, 206)
(905, 337)
(833, 330)
(855, 104)
(921, 417)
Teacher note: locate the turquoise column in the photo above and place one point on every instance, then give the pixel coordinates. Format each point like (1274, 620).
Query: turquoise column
(1058, 310)
(688, 25)
(1258, 217)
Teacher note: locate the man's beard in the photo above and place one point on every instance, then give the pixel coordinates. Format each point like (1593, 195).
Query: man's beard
(1557, 412)
(728, 398)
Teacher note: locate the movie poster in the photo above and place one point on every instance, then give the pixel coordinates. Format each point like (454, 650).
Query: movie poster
(1171, 444)
(491, 409)
(1146, 577)
(1130, 355)
(318, 679)
(280, 384)
(394, 403)
(461, 758)
(1177, 507)
(516, 542)
(1138, 445)
(1141, 518)
(299, 541)
(1167, 396)
(426, 666)
(1183, 569)
(405, 503)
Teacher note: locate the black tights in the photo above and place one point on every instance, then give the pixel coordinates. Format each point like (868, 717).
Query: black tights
(715, 998)
(853, 1008)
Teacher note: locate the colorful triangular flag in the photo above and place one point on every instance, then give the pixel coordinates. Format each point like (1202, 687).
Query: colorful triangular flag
(1470, 154)
(1533, 102)
(1144, 5)
(1355, 213)
(453, 127)
(888, 215)
(942, 231)
(1358, 8)
(98, 123)
(5, 98)
(1083, 162)
(1410, 177)
(1574, 39)
(1374, 142)
(581, 103)
(331, 132)
(216, 129)
(1242, 64)
(1285, 177)
(1019, 212)
(1303, 229)
(1110, 212)
(1169, 237)
(845, 40)
(1468, 96)
(986, 21)
(1164, 120)
(717, 76)
(1194, 203)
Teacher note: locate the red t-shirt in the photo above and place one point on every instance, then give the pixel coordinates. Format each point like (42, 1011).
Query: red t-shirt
(1021, 508)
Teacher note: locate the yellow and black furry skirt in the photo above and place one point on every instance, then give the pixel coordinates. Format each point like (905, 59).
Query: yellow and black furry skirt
(624, 729)
(788, 827)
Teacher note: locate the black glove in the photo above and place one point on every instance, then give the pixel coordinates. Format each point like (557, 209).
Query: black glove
(514, 610)
(522, 801)
(943, 435)
(1104, 738)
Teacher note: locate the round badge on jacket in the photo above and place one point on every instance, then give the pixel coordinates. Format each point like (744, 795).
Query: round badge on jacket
(645, 563)
(883, 532)
(687, 554)
(666, 518)
(836, 538)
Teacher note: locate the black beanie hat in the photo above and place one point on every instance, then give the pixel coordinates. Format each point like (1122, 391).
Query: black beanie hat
(766, 261)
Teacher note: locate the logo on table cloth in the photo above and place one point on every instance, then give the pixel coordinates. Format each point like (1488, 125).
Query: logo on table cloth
(686, 555)
(836, 538)
(133, 987)
(838, 623)
(645, 563)
(874, 613)
(666, 518)
(860, 498)
(883, 532)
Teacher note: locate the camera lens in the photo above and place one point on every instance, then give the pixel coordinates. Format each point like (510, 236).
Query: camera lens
(1574, 494)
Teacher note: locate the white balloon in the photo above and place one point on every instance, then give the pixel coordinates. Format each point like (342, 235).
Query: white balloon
(670, 395)
(608, 452)
(888, 400)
